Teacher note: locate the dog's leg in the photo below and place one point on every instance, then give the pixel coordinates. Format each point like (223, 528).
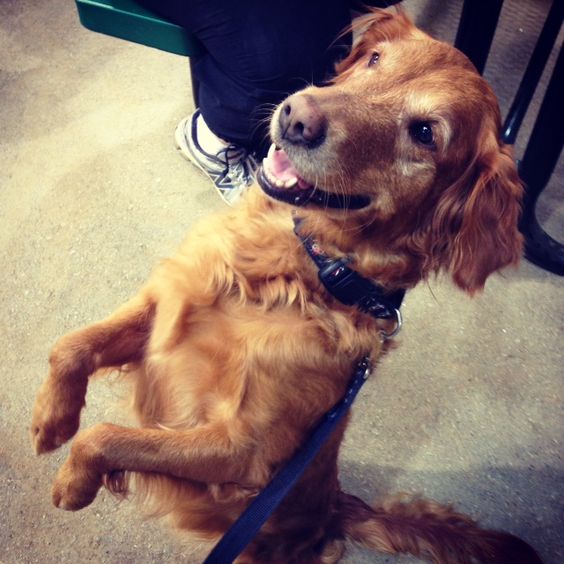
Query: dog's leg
(115, 341)
(204, 454)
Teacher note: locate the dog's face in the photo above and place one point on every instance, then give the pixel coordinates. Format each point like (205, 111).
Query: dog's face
(407, 134)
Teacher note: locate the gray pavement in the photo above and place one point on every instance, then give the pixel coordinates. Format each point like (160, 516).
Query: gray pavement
(468, 409)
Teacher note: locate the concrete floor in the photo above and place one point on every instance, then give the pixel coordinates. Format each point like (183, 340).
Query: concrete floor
(92, 194)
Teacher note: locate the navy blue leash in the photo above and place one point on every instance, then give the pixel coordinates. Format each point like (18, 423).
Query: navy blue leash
(251, 520)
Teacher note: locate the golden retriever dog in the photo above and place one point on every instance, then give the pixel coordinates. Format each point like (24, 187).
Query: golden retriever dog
(234, 348)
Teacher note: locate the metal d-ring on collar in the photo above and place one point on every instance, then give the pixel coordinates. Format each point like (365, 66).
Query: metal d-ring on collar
(350, 288)
(397, 328)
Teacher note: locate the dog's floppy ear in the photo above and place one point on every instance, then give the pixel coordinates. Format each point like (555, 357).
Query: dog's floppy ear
(376, 26)
(474, 227)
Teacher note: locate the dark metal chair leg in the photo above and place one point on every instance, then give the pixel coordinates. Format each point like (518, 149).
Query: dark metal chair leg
(476, 30)
(474, 37)
(195, 84)
(533, 73)
(541, 156)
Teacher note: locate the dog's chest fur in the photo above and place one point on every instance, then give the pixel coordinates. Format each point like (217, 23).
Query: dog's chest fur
(243, 334)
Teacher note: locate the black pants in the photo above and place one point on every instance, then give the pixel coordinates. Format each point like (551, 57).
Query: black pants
(257, 52)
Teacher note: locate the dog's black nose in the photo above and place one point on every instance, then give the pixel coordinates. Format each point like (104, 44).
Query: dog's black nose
(302, 121)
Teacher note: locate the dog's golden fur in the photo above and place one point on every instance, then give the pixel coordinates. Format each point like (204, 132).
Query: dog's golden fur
(235, 350)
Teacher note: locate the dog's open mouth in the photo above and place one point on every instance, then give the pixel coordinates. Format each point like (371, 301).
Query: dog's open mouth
(280, 180)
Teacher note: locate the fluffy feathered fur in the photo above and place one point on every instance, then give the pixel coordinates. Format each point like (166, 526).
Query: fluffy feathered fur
(235, 350)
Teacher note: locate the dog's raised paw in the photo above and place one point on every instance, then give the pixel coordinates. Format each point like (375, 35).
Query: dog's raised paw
(73, 489)
(49, 432)
(54, 421)
(44, 441)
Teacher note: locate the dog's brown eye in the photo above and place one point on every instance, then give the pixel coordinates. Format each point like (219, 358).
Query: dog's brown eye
(373, 58)
(422, 132)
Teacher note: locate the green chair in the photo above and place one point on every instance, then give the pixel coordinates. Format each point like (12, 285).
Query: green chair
(128, 20)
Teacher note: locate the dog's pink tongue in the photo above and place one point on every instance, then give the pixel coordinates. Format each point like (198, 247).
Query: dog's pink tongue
(281, 166)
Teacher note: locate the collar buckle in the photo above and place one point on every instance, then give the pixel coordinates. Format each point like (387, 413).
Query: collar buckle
(372, 304)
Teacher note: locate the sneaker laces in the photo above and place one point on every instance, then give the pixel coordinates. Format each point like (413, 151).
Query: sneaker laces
(239, 163)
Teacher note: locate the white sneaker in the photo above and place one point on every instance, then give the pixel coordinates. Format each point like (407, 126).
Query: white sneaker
(231, 169)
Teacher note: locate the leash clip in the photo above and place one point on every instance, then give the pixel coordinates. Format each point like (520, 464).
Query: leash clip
(365, 366)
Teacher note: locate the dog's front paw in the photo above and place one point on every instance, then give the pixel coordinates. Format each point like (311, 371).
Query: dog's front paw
(74, 487)
(56, 417)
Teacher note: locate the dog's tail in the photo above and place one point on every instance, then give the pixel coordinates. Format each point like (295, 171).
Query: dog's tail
(428, 530)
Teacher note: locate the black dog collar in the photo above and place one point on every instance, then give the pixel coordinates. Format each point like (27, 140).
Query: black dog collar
(349, 287)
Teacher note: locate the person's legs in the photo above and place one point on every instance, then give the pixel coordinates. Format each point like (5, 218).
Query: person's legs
(256, 53)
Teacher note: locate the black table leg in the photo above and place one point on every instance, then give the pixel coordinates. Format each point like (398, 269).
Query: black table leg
(541, 156)
(476, 29)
